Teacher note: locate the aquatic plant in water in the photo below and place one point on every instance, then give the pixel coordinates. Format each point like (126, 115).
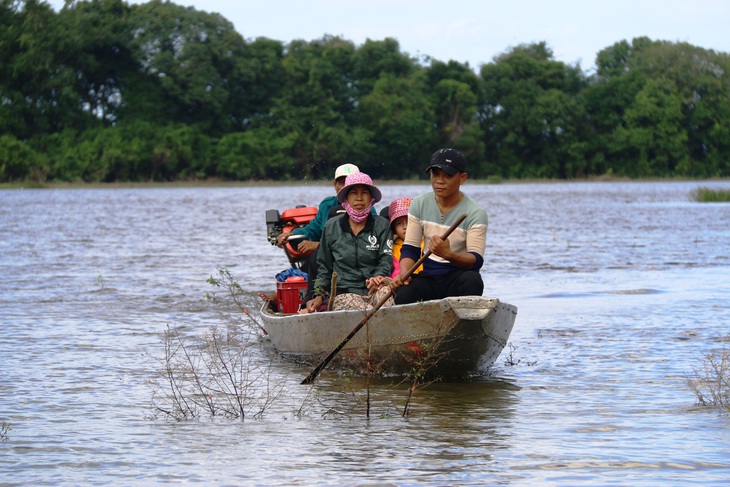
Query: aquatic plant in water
(215, 374)
(710, 381)
(709, 195)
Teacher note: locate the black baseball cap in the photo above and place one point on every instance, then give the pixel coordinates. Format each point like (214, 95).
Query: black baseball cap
(450, 161)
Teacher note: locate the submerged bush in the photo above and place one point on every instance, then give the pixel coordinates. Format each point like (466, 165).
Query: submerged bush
(709, 195)
(216, 373)
(710, 380)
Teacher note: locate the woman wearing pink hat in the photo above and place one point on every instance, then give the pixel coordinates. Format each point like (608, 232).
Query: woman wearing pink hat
(358, 247)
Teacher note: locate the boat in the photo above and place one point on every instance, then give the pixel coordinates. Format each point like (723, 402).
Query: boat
(445, 338)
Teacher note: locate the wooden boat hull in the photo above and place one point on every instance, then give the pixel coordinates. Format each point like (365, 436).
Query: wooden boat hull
(450, 337)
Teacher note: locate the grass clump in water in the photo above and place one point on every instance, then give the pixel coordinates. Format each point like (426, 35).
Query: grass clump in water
(709, 195)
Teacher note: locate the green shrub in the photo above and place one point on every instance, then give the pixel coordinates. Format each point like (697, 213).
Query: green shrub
(708, 195)
(20, 162)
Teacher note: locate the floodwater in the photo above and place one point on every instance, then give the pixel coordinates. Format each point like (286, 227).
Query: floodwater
(621, 287)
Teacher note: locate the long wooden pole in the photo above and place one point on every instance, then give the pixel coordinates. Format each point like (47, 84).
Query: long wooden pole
(313, 375)
(333, 291)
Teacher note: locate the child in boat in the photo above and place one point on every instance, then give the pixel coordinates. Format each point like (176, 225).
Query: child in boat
(397, 213)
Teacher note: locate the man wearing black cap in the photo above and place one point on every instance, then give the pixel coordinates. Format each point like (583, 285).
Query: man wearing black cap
(452, 269)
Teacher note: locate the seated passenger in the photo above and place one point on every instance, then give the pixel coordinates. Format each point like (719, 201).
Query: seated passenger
(313, 230)
(398, 213)
(358, 247)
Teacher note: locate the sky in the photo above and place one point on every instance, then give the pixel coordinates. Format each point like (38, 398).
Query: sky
(475, 31)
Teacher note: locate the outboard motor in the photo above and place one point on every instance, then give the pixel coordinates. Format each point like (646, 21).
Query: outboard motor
(285, 222)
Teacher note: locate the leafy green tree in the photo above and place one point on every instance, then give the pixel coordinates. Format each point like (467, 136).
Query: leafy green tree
(712, 136)
(19, 161)
(375, 58)
(653, 131)
(101, 154)
(96, 35)
(456, 95)
(67, 160)
(106, 91)
(192, 62)
(399, 114)
(36, 78)
(137, 151)
(533, 118)
(315, 102)
(173, 153)
(701, 80)
(260, 82)
(655, 108)
(259, 153)
(606, 100)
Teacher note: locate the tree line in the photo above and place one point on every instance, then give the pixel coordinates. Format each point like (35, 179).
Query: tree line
(105, 91)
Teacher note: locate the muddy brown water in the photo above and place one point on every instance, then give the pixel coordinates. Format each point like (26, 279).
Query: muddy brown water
(620, 288)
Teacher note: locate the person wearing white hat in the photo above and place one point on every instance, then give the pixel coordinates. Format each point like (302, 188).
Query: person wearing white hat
(313, 230)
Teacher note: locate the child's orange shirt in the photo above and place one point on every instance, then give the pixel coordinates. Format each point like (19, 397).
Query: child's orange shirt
(397, 244)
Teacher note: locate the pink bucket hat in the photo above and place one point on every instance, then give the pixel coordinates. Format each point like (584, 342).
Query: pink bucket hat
(355, 179)
(398, 208)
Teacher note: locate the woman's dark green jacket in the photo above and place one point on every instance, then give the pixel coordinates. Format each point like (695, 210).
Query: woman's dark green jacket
(354, 258)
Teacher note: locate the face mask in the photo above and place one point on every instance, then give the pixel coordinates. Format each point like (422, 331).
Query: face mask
(358, 216)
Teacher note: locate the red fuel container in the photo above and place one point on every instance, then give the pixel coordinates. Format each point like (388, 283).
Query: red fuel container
(290, 294)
